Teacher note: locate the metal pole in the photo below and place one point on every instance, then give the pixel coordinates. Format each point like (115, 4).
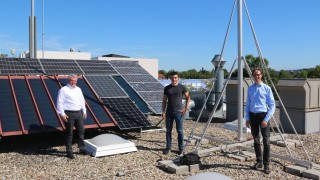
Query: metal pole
(240, 73)
(31, 38)
(42, 29)
(35, 37)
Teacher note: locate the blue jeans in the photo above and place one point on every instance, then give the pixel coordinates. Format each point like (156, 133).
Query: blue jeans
(170, 117)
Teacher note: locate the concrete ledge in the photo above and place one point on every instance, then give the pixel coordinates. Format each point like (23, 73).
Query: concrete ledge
(175, 169)
(195, 167)
(171, 167)
(164, 164)
(242, 156)
(296, 142)
(311, 173)
(295, 170)
(289, 144)
(303, 171)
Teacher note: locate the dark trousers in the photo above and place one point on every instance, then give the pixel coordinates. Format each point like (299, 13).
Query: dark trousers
(255, 123)
(75, 120)
(170, 117)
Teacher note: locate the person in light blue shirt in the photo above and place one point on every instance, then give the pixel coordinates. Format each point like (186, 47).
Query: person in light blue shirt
(260, 107)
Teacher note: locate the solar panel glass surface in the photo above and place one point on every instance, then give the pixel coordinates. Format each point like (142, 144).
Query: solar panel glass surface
(27, 108)
(8, 111)
(46, 109)
(126, 113)
(105, 86)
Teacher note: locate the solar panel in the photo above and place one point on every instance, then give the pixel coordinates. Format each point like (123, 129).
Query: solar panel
(27, 108)
(147, 86)
(126, 113)
(142, 105)
(60, 67)
(131, 70)
(140, 78)
(20, 66)
(121, 63)
(156, 106)
(151, 96)
(46, 109)
(105, 86)
(94, 103)
(53, 87)
(96, 67)
(8, 112)
(133, 80)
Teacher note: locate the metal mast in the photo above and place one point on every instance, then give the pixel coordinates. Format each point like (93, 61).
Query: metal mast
(240, 73)
(32, 34)
(42, 29)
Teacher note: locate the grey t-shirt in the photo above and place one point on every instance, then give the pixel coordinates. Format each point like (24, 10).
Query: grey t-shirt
(174, 94)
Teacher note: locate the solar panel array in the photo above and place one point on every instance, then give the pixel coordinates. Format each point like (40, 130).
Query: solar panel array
(8, 113)
(28, 105)
(125, 111)
(143, 106)
(148, 88)
(105, 86)
(60, 67)
(118, 92)
(96, 67)
(19, 66)
(26, 66)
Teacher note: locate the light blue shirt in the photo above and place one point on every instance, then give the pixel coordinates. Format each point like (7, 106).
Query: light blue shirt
(260, 99)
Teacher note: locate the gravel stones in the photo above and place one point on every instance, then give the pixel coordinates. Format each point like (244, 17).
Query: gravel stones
(42, 156)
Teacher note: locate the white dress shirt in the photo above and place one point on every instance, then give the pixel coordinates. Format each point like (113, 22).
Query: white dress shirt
(70, 98)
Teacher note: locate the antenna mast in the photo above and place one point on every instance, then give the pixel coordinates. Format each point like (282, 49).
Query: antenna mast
(240, 73)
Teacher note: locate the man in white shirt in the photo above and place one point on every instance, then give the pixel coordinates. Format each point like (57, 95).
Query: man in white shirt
(72, 110)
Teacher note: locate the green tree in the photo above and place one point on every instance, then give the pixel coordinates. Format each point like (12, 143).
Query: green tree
(314, 72)
(302, 74)
(274, 74)
(283, 74)
(253, 62)
(225, 73)
(163, 72)
(3, 55)
(205, 74)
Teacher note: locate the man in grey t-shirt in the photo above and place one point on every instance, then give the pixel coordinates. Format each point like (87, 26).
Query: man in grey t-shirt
(172, 110)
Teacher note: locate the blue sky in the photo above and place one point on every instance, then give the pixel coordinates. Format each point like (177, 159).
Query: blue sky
(182, 34)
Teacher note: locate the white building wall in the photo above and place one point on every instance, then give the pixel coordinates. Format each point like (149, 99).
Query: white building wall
(64, 55)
